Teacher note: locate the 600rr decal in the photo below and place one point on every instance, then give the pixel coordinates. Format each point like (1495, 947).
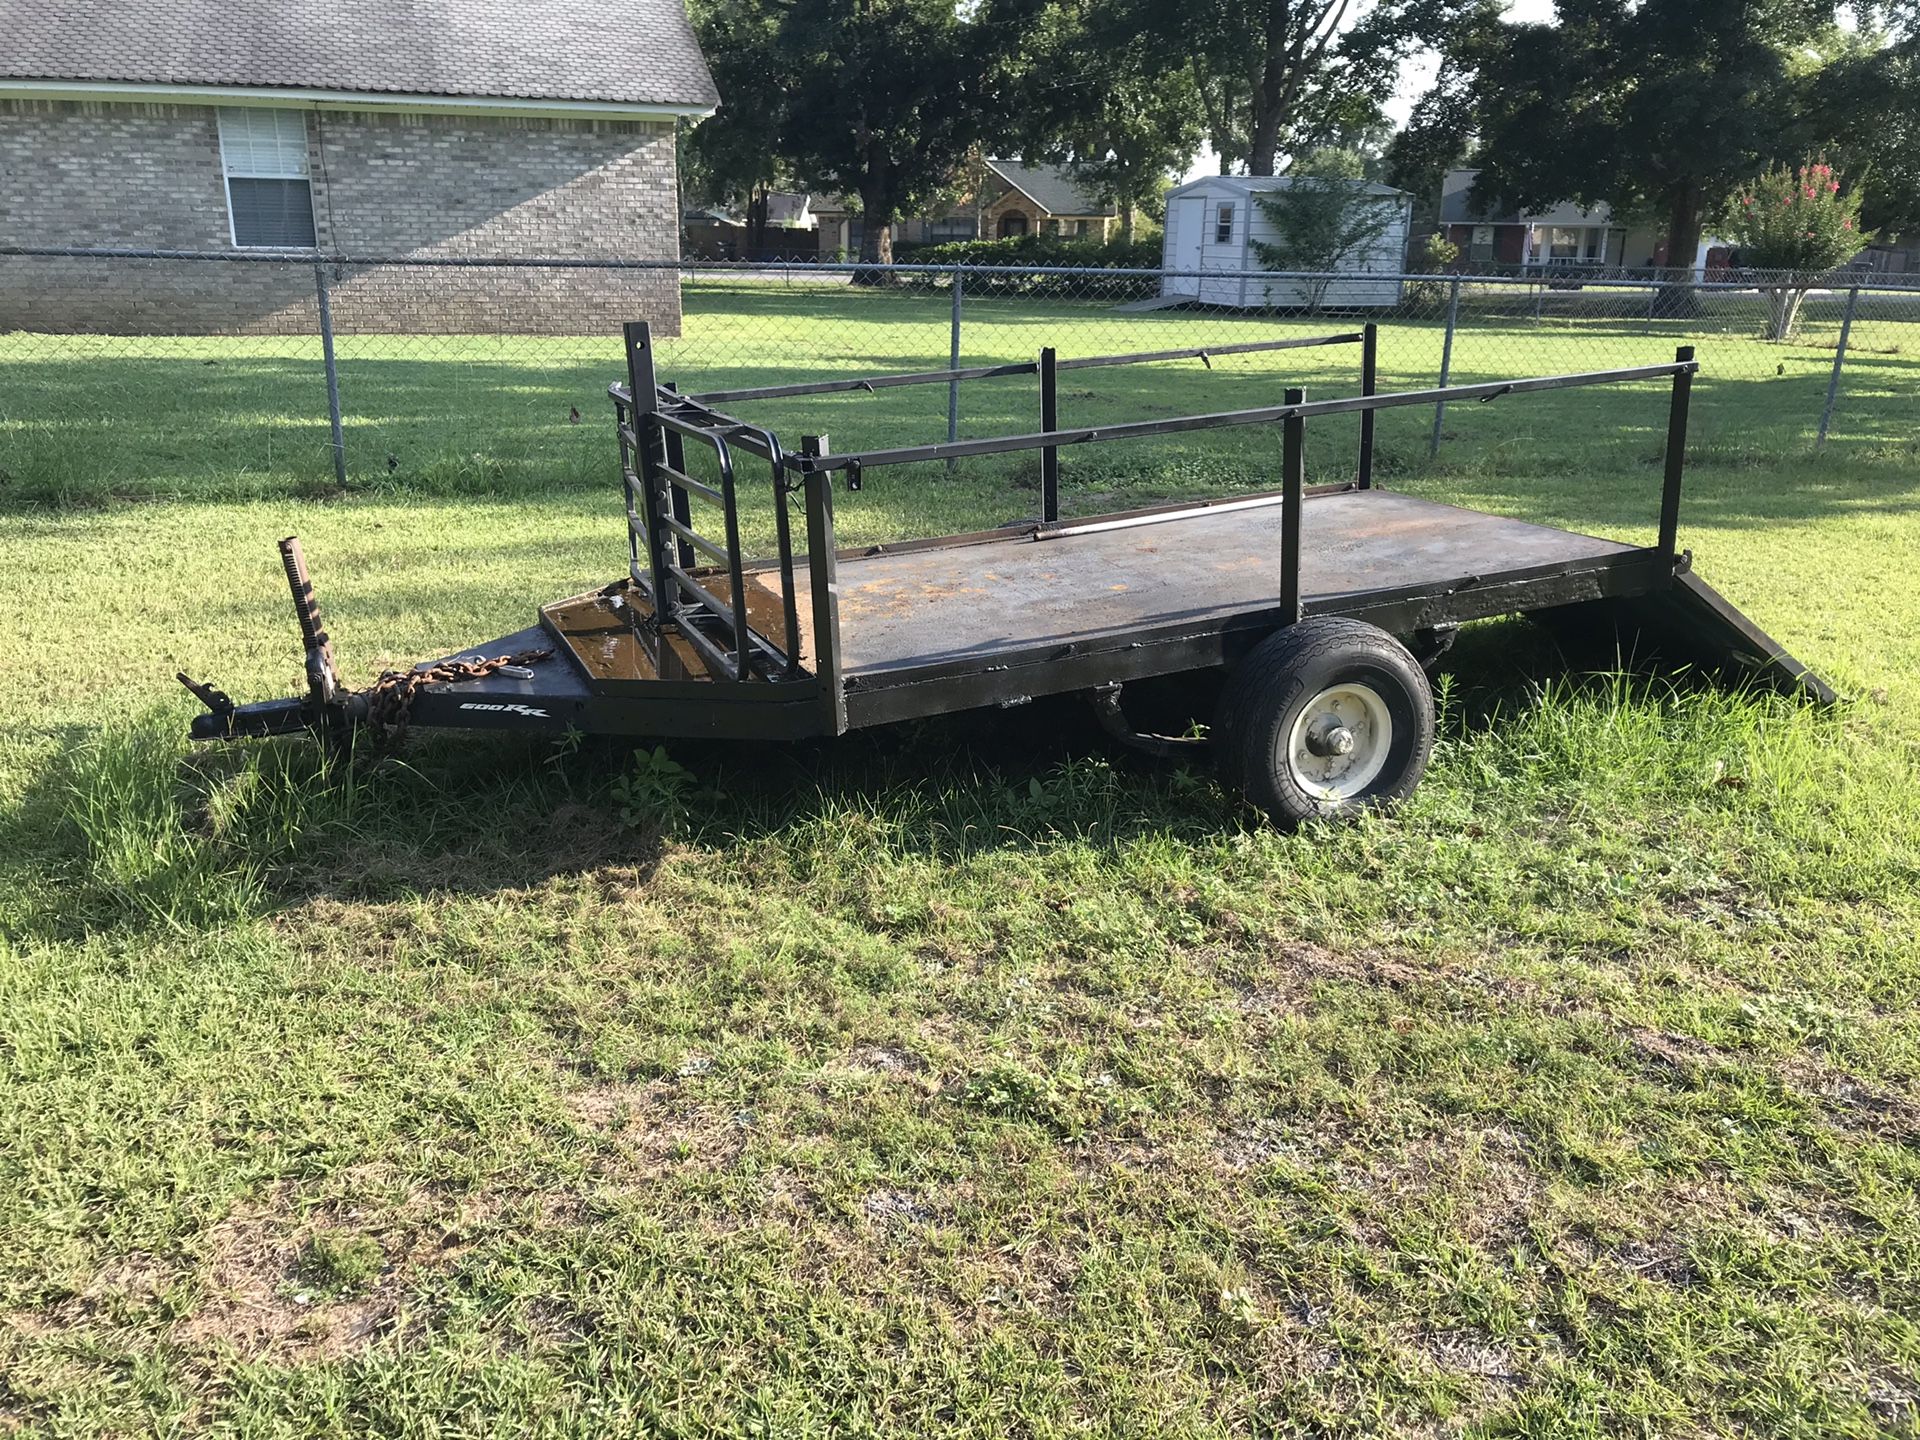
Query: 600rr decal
(529, 711)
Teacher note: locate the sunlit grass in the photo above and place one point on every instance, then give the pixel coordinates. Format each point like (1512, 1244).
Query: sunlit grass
(971, 1078)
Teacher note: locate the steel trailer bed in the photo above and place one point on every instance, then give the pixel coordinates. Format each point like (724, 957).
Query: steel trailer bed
(697, 640)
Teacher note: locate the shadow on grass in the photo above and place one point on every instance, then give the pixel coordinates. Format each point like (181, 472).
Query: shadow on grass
(129, 830)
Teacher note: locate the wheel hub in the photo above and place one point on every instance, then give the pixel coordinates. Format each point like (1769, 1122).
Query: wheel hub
(1339, 742)
(1327, 737)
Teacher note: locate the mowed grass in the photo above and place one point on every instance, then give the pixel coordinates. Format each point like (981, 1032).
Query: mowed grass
(975, 1078)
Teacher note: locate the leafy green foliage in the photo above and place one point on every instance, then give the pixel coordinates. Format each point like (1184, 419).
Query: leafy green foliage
(1799, 220)
(1324, 218)
(1097, 93)
(882, 99)
(1794, 218)
(1052, 251)
(1658, 109)
(655, 790)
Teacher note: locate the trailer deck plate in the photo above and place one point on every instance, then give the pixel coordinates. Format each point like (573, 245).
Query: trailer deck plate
(917, 607)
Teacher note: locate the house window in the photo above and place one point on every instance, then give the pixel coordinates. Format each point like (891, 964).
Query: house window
(1480, 247)
(953, 227)
(1567, 245)
(1012, 224)
(1223, 225)
(1049, 226)
(269, 198)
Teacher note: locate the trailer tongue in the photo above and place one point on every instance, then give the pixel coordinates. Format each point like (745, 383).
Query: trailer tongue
(1299, 594)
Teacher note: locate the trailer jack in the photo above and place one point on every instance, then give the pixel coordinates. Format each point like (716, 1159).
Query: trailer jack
(224, 720)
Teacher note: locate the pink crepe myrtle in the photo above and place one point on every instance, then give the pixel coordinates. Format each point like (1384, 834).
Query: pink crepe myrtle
(1798, 218)
(1798, 222)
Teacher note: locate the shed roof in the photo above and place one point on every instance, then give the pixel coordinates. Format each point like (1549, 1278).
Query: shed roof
(1052, 188)
(638, 53)
(1249, 184)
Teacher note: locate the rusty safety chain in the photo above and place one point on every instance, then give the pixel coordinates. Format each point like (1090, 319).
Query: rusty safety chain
(390, 698)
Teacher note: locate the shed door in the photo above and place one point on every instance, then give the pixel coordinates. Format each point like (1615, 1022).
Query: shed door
(1187, 237)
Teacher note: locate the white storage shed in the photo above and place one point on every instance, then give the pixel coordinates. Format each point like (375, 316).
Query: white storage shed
(1212, 225)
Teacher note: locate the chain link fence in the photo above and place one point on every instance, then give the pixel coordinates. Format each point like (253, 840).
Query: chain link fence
(155, 373)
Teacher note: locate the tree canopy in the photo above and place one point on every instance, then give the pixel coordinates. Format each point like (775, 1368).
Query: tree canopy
(1663, 109)
(881, 98)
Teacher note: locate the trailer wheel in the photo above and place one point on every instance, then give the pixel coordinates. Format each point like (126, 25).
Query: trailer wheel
(1326, 718)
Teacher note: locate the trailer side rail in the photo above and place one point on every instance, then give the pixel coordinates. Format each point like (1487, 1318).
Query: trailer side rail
(1203, 353)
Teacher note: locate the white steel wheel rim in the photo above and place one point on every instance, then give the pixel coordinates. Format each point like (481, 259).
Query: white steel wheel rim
(1339, 742)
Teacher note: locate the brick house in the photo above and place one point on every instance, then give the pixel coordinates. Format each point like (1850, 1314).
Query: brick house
(1566, 235)
(1003, 199)
(358, 128)
(1043, 200)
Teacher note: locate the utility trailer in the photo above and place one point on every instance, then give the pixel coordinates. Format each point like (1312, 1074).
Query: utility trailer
(1324, 605)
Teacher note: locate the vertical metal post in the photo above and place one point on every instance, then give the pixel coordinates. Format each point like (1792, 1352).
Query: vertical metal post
(1049, 420)
(1839, 359)
(333, 373)
(953, 360)
(1369, 384)
(649, 452)
(1676, 454)
(823, 573)
(1293, 478)
(1446, 364)
(676, 497)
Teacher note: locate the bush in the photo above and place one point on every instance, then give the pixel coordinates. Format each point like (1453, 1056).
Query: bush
(1043, 252)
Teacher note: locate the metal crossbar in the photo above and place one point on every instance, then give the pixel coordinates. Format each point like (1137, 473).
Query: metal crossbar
(1023, 367)
(994, 445)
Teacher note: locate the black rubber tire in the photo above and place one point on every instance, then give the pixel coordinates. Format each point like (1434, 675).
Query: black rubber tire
(1266, 692)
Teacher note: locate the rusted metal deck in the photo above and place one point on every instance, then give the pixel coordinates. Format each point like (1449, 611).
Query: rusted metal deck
(1119, 577)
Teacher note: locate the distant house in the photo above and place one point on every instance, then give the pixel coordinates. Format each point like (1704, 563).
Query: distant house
(433, 128)
(720, 233)
(1044, 200)
(1566, 235)
(1216, 225)
(1011, 200)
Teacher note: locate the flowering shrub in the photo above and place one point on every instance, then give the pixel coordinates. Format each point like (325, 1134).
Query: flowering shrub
(1799, 219)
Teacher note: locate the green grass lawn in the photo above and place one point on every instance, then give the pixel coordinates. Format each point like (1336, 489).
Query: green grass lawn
(975, 1078)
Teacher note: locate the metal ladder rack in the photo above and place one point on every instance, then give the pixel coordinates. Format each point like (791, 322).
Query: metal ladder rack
(664, 548)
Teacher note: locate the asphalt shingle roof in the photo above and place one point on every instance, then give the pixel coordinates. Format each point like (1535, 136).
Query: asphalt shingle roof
(1051, 188)
(635, 52)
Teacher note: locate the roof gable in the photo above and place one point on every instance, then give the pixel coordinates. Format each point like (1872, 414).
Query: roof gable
(1051, 187)
(638, 53)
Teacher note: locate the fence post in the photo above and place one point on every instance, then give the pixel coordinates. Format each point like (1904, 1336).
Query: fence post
(1049, 420)
(1839, 359)
(1293, 479)
(333, 373)
(1446, 364)
(953, 361)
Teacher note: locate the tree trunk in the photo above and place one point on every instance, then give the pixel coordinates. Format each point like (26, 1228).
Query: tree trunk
(876, 234)
(1264, 147)
(1783, 312)
(756, 223)
(1126, 221)
(1679, 301)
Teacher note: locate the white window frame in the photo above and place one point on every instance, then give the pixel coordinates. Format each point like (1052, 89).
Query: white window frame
(1223, 221)
(251, 164)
